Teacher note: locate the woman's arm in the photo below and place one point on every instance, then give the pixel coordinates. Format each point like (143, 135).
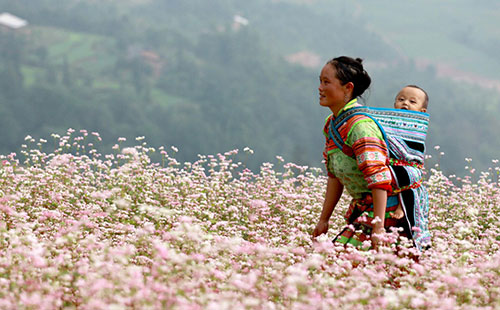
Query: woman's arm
(371, 154)
(333, 193)
(379, 206)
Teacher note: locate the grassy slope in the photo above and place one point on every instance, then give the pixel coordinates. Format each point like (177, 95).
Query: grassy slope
(84, 52)
(458, 33)
(452, 32)
(91, 54)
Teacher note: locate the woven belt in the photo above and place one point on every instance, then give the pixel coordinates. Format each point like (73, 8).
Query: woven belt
(398, 162)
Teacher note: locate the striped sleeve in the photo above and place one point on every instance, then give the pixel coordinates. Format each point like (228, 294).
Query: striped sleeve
(329, 145)
(370, 150)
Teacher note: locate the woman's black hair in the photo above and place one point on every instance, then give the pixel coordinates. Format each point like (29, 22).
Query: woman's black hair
(351, 70)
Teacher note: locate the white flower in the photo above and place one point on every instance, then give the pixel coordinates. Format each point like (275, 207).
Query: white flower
(132, 151)
(123, 203)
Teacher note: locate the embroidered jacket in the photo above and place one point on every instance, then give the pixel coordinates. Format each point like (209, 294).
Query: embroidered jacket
(369, 169)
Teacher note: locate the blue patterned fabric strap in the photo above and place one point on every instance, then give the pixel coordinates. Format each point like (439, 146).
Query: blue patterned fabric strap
(334, 134)
(404, 131)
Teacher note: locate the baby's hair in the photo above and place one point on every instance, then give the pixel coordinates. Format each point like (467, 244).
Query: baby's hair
(426, 102)
(351, 70)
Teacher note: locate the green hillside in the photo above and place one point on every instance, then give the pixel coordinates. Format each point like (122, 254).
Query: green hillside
(459, 33)
(186, 74)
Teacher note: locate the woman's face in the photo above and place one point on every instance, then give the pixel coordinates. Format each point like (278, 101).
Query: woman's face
(331, 92)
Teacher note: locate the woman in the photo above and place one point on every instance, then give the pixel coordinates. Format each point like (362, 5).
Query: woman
(365, 174)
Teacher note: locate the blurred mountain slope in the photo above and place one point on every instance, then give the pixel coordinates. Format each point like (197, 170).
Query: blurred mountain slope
(193, 75)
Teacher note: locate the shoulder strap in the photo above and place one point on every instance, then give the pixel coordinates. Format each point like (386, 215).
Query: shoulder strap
(337, 122)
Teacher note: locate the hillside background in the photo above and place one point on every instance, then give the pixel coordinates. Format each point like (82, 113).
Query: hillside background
(212, 76)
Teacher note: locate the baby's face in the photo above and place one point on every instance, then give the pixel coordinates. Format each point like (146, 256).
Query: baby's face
(410, 98)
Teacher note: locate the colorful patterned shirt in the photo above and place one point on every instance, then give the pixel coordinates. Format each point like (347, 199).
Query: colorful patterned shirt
(369, 169)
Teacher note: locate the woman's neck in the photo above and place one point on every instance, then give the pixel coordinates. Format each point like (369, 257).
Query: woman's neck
(336, 110)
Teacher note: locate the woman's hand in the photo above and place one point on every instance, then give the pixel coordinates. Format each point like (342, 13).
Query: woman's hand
(379, 207)
(321, 228)
(375, 236)
(333, 192)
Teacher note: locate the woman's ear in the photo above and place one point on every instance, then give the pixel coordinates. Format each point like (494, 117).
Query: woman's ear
(349, 86)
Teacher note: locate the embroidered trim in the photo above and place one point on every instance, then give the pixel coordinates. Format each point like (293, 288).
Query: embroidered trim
(411, 186)
(399, 162)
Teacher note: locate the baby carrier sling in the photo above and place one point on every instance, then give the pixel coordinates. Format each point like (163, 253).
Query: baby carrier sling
(404, 133)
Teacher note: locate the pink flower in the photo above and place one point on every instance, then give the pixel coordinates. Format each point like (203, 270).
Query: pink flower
(258, 204)
(163, 252)
(417, 302)
(7, 210)
(419, 269)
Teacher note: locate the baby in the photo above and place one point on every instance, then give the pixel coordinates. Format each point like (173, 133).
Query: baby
(413, 98)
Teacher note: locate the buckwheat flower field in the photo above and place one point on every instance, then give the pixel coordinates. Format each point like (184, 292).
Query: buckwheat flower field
(84, 230)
